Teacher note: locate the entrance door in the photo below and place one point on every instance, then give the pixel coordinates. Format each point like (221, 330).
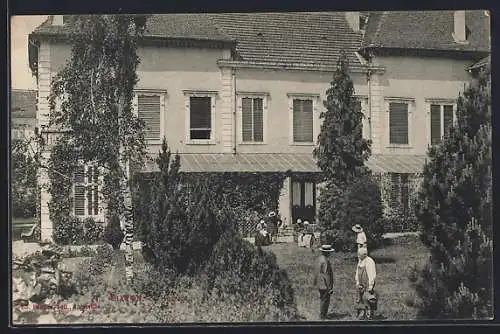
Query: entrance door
(303, 201)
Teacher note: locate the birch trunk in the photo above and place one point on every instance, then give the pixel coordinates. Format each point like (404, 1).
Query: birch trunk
(126, 216)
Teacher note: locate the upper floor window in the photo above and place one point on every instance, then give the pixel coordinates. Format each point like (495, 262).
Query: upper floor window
(86, 189)
(200, 111)
(252, 113)
(302, 120)
(399, 120)
(150, 106)
(441, 118)
(362, 104)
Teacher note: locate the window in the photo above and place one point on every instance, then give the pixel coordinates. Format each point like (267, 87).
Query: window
(86, 191)
(398, 123)
(252, 109)
(200, 117)
(399, 192)
(302, 121)
(362, 104)
(252, 120)
(149, 106)
(441, 118)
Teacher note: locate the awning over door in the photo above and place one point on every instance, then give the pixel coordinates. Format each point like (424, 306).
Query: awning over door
(244, 162)
(283, 162)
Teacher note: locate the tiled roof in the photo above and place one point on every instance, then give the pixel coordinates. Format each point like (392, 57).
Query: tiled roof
(23, 103)
(430, 30)
(182, 26)
(282, 162)
(311, 38)
(305, 38)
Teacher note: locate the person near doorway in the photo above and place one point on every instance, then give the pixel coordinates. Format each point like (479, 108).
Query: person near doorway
(365, 282)
(323, 279)
(273, 222)
(360, 236)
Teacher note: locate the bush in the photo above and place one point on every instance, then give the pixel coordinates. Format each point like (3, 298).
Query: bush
(238, 270)
(68, 231)
(92, 231)
(152, 282)
(397, 221)
(361, 204)
(113, 233)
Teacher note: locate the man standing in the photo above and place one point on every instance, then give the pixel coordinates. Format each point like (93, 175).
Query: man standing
(365, 282)
(324, 279)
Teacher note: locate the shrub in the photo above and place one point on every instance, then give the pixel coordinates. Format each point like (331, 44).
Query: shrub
(68, 231)
(361, 204)
(152, 282)
(86, 251)
(92, 231)
(454, 209)
(113, 233)
(238, 270)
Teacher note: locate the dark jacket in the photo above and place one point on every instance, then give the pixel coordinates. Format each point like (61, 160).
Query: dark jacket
(323, 279)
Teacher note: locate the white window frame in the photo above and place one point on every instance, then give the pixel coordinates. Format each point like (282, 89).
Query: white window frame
(213, 97)
(315, 98)
(364, 110)
(441, 102)
(100, 216)
(265, 107)
(411, 107)
(152, 92)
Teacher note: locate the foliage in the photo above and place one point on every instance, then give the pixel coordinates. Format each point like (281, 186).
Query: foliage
(360, 204)
(396, 221)
(237, 269)
(454, 210)
(24, 183)
(73, 231)
(113, 234)
(341, 150)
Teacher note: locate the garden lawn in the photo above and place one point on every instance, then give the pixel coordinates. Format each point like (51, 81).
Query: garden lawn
(393, 266)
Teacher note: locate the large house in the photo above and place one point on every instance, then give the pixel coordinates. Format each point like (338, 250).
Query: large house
(243, 92)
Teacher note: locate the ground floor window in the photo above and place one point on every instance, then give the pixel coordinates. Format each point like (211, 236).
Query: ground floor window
(86, 199)
(303, 200)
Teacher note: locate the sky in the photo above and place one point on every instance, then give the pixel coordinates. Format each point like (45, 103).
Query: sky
(20, 27)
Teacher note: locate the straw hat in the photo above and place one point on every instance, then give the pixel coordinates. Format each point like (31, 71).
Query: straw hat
(327, 249)
(272, 214)
(357, 228)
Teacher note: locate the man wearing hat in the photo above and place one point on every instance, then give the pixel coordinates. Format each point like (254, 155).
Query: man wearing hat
(360, 235)
(324, 279)
(365, 282)
(273, 223)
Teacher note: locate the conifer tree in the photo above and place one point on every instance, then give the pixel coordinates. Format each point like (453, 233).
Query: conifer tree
(341, 150)
(454, 209)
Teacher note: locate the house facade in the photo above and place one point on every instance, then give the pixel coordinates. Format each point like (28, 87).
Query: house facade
(243, 92)
(22, 113)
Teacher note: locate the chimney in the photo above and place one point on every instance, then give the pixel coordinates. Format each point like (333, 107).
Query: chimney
(353, 20)
(57, 20)
(459, 33)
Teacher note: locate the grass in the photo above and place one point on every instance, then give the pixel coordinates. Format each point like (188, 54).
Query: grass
(393, 265)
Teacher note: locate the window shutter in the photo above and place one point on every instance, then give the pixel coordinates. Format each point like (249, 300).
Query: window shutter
(149, 110)
(394, 190)
(80, 174)
(258, 120)
(448, 118)
(297, 121)
(246, 121)
(405, 197)
(398, 123)
(200, 117)
(435, 124)
(79, 200)
(302, 121)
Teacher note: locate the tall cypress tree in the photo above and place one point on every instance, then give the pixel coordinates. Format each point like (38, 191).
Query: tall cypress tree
(341, 151)
(454, 209)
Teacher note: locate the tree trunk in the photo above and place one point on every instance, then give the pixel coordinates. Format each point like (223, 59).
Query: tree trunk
(126, 216)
